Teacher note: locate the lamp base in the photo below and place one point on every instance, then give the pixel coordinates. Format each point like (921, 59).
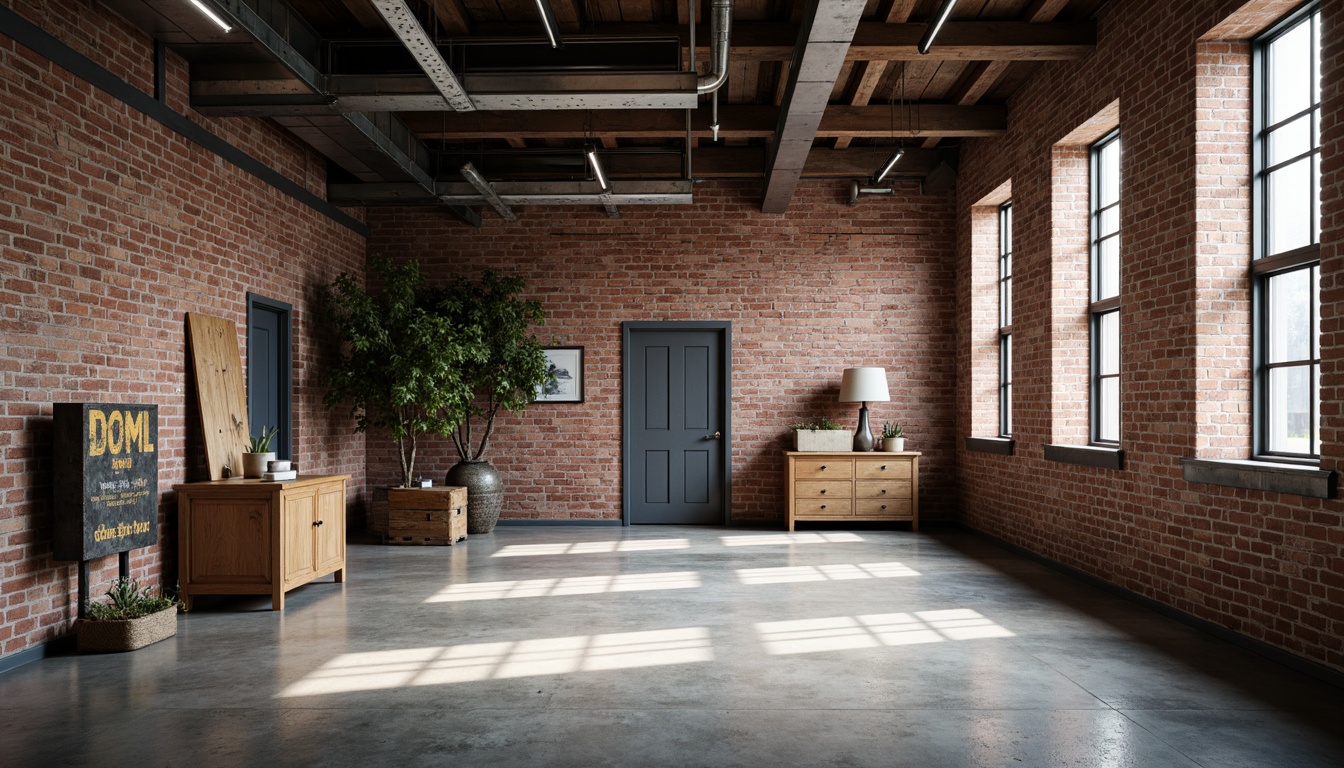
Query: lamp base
(863, 437)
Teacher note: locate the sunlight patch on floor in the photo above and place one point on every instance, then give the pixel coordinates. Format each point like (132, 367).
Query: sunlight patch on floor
(570, 585)
(408, 667)
(760, 539)
(835, 572)
(591, 547)
(841, 633)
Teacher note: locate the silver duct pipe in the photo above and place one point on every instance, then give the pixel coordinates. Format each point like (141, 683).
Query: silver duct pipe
(720, 25)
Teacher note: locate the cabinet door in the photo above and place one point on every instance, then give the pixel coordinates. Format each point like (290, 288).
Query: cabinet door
(229, 542)
(330, 540)
(300, 516)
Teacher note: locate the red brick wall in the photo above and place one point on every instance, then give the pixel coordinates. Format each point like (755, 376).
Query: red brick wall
(1268, 565)
(111, 229)
(809, 293)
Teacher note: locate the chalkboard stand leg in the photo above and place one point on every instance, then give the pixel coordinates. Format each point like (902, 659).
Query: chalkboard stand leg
(83, 587)
(124, 564)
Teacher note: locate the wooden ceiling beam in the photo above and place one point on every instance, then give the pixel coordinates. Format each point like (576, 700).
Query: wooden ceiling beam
(452, 16)
(823, 41)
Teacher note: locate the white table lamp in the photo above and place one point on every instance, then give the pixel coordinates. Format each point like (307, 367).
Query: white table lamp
(864, 385)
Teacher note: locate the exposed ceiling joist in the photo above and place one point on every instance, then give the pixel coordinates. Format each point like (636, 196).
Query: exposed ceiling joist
(517, 193)
(823, 40)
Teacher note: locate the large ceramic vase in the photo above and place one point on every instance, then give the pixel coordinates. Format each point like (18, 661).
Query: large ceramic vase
(485, 493)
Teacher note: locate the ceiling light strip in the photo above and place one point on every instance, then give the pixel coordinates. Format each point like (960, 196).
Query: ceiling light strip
(548, 21)
(407, 27)
(212, 15)
(888, 165)
(935, 24)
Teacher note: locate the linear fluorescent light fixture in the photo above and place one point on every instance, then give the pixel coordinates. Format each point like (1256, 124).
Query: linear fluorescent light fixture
(888, 165)
(548, 21)
(211, 15)
(591, 152)
(935, 24)
(406, 27)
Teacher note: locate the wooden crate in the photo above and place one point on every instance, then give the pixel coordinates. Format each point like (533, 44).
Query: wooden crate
(427, 515)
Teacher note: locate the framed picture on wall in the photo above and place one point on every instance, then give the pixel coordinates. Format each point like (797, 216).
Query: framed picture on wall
(567, 370)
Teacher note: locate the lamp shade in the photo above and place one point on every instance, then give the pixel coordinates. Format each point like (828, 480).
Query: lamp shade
(864, 385)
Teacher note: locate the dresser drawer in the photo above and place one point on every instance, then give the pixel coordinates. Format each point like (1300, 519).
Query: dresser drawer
(810, 508)
(882, 489)
(823, 489)
(874, 468)
(892, 509)
(808, 469)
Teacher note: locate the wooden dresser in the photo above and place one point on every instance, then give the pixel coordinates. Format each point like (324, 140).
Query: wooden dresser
(253, 537)
(848, 487)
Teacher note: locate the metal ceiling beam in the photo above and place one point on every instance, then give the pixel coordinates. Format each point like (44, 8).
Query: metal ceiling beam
(673, 192)
(756, 41)
(738, 121)
(823, 40)
(407, 27)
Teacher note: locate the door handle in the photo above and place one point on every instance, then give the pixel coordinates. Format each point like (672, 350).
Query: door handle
(714, 436)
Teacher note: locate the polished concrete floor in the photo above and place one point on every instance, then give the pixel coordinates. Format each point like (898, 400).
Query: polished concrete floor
(677, 647)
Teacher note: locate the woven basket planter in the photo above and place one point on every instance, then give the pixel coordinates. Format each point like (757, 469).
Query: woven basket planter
(116, 636)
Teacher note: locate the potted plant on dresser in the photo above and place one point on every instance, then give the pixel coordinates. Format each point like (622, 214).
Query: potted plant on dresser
(822, 435)
(507, 377)
(259, 452)
(893, 437)
(131, 618)
(403, 361)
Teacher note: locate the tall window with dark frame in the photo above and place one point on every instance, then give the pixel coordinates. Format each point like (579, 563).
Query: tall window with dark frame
(1006, 319)
(1104, 311)
(1287, 255)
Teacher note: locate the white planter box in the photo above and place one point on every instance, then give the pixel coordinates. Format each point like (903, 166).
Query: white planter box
(823, 440)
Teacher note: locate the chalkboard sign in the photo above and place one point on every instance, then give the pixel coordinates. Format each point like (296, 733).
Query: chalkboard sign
(106, 479)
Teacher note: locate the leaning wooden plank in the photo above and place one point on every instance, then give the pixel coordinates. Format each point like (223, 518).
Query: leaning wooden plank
(218, 366)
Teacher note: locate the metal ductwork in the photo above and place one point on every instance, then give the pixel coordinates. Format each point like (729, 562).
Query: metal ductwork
(720, 29)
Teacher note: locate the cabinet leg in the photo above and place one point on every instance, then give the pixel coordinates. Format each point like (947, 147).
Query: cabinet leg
(278, 600)
(186, 601)
(339, 576)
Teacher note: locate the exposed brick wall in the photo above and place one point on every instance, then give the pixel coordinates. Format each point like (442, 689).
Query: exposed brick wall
(111, 229)
(809, 293)
(1264, 564)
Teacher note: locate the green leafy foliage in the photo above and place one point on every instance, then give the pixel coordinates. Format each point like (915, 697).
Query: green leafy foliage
(822, 423)
(262, 443)
(127, 600)
(405, 358)
(892, 430)
(513, 366)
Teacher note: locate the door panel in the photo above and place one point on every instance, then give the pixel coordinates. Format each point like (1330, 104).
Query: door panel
(676, 426)
(268, 371)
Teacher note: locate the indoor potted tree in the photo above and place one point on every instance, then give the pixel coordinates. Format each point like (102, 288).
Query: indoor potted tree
(507, 378)
(404, 358)
(131, 618)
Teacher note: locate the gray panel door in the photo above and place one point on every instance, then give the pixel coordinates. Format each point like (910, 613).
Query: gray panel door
(676, 428)
(268, 363)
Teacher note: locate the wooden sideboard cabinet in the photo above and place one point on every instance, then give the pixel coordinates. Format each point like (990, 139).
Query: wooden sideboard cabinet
(253, 537)
(850, 486)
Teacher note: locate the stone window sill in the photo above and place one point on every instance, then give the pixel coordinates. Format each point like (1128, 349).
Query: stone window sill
(1261, 476)
(1086, 456)
(1002, 446)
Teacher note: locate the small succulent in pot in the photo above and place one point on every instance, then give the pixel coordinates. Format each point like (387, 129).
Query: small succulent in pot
(893, 437)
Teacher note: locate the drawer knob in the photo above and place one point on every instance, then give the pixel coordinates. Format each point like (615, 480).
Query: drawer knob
(823, 490)
(823, 466)
(884, 506)
(884, 466)
(823, 506)
(884, 490)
